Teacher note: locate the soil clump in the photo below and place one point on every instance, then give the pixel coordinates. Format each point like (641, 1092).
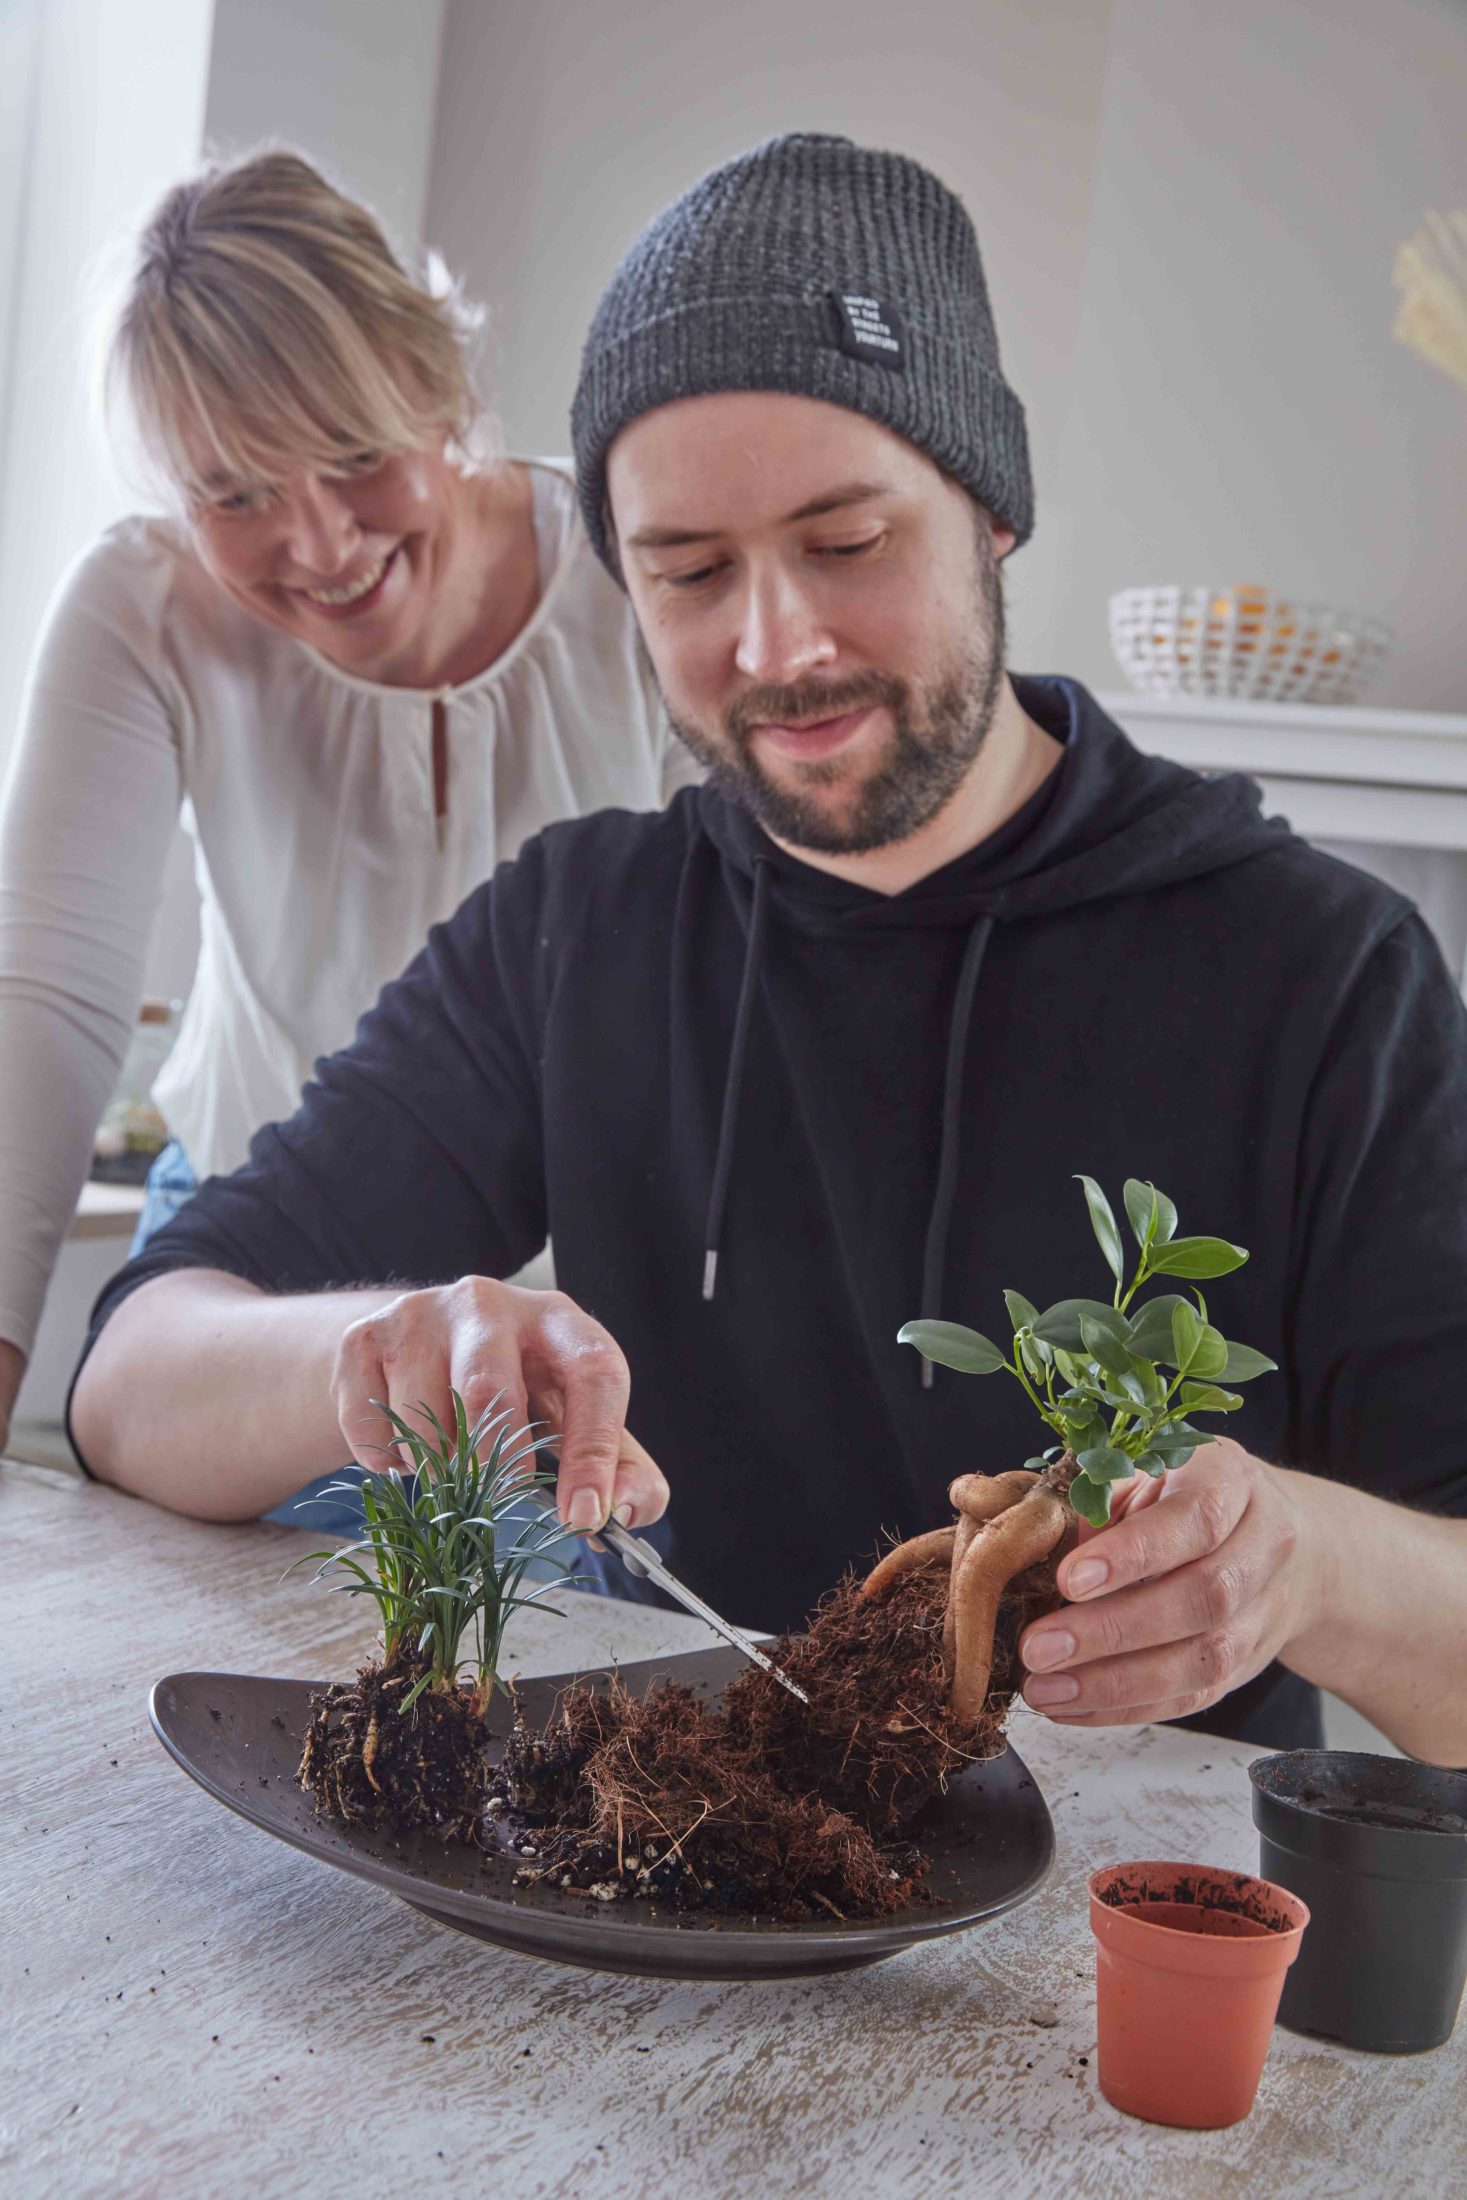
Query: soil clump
(763, 1804)
(366, 1762)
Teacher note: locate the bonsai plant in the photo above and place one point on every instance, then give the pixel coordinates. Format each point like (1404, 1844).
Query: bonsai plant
(406, 1744)
(768, 1803)
(1118, 1383)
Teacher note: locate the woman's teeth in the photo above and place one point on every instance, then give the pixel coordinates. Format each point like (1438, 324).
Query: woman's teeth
(332, 597)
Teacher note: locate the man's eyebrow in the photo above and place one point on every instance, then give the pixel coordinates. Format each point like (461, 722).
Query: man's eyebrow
(834, 500)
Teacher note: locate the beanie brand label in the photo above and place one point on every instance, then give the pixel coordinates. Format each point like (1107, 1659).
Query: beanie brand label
(870, 329)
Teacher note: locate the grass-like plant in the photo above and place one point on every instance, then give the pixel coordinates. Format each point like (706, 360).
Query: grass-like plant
(1118, 1387)
(440, 1558)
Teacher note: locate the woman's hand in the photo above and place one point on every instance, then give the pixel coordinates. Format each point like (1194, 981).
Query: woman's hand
(536, 1352)
(1197, 1583)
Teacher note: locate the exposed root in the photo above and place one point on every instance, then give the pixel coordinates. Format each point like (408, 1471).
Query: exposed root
(1010, 1532)
(765, 1804)
(367, 1763)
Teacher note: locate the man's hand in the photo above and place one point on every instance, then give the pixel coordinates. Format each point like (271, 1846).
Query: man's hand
(536, 1352)
(1197, 1583)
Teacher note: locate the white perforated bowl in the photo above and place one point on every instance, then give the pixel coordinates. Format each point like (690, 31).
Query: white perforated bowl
(1243, 642)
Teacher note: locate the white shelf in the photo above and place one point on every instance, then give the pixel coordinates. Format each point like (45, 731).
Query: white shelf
(1392, 777)
(107, 1211)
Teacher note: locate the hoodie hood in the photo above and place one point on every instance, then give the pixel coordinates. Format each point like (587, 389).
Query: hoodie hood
(1109, 822)
(1115, 822)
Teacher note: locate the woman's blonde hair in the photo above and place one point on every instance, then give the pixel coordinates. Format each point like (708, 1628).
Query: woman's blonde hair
(268, 324)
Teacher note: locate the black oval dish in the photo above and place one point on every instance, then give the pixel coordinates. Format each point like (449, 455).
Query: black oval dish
(989, 1838)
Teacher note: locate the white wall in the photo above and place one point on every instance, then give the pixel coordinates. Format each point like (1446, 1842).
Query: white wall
(112, 109)
(349, 82)
(1188, 211)
(1240, 409)
(562, 128)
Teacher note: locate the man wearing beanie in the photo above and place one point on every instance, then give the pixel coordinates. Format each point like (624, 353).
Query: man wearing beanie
(821, 1048)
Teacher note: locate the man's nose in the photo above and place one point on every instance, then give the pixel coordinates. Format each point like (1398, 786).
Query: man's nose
(781, 635)
(321, 527)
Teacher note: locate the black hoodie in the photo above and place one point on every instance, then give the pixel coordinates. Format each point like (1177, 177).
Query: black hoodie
(655, 1036)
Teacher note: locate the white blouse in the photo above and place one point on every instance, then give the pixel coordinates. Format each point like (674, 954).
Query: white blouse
(309, 796)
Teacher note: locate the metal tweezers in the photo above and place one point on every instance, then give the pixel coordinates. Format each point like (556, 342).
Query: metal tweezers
(640, 1558)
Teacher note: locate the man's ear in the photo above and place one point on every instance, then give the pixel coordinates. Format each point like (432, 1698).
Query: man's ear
(1004, 537)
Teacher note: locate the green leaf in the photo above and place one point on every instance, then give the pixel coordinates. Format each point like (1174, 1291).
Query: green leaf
(1059, 1324)
(1140, 1210)
(1197, 1256)
(1166, 1214)
(1174, 1436)
(1035, 1355)
(1021, 1313)
(1103, 1463)
(1207, 1398)
(1151, 1328)
(1103, 1223)
(1037, 1464)
(1104, 1347)
(1091, 1500)
(1187, 1333)
(950, 1345)
(1152, 1216)
(1152, 1463)
(1211, 1356)
(1070, 1367)
(1243, 1363)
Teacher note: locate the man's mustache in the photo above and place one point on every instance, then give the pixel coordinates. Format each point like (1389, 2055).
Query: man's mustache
(807, 702)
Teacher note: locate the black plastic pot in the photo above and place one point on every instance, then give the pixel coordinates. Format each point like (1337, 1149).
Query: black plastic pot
(1377, 1847)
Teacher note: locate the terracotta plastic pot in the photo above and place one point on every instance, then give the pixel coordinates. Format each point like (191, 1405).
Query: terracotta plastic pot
(1190, 1963)
(1377, 1847)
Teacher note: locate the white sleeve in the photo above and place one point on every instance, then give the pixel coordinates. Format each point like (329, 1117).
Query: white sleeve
(90, 804)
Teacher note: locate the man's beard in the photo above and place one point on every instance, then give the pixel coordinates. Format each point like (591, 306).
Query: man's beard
(937, 730)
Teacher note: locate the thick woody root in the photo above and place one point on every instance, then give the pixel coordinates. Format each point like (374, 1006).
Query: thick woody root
(1021, 1536)
(1001, 1551)
(366, 1762)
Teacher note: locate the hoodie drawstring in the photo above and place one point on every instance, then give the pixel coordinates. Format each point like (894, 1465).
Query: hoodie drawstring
(728, 1124)
(934, 1252)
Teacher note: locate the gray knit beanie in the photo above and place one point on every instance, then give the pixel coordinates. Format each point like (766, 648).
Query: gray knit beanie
(814, 266)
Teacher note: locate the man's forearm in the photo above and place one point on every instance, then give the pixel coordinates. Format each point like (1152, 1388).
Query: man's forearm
(213, 1398)
(1387, 1623)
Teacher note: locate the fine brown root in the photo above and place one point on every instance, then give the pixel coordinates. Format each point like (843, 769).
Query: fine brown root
(366, 1762)
(670, 1805)
(766, 1803)
(877, 1737)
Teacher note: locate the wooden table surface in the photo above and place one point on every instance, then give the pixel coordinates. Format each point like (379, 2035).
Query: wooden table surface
(191, 2008)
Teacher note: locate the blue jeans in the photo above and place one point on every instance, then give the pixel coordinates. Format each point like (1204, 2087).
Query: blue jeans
(171, 1181)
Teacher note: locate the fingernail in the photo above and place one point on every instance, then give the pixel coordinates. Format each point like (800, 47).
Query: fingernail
(1059, 1688)
(622, 1512)
(1052, 1647)
(586, 1512)
(1089, 1574)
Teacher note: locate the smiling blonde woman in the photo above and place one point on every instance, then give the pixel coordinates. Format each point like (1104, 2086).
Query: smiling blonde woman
(361, 655)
